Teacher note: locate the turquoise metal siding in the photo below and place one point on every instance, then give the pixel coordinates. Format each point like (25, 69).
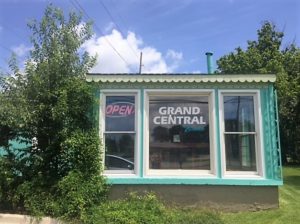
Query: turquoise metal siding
(271, 151)
(270, 134)
(15, 145)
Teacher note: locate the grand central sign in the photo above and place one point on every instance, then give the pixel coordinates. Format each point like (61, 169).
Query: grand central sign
(179, 116)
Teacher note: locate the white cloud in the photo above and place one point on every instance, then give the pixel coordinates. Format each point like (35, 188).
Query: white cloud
(174, 58)
(129, 48)
(21, 50)
(174, 55)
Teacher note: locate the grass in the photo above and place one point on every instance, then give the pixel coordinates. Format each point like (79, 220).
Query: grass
(148, 209)
(289, 204)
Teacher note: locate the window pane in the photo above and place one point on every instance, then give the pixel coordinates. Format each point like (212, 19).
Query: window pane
(240, 152)
(119, 113)
(179, 132)
(239, 114)
(119, 151)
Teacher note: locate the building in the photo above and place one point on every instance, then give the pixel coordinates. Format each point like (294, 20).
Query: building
(194, 139)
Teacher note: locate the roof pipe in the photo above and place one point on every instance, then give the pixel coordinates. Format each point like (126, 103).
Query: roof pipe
(209, 59)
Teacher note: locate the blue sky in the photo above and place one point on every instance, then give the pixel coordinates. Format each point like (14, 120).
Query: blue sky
(172, 34)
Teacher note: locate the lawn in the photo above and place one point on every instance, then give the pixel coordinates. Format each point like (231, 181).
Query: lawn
(289, 202)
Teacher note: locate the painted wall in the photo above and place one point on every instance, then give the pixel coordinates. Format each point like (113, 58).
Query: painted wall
(271, 150)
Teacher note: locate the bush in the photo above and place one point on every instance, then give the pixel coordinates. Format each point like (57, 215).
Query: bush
(10, 179)
(81, 188)
(84, 187)
(147, 209)
(81, 152)
(133, 210)
(77, 193)
(69, 200)
(37, 200)
(7, 178)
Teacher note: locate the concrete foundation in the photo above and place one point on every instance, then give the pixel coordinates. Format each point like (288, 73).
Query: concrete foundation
(225, 198)
(24, 219)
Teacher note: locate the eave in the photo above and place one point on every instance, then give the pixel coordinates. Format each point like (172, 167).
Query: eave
(180, 78)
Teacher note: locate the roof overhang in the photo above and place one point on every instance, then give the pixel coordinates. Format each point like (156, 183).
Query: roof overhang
(180, 78)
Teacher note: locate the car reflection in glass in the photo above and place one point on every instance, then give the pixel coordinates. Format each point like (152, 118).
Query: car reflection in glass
(113, 162)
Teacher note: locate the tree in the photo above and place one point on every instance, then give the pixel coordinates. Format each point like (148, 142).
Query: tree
(51, 103)
(267, 55)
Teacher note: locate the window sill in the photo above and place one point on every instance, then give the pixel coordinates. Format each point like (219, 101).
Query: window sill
(120, 175)
(180, 173)
(133, 180)
(242, 175)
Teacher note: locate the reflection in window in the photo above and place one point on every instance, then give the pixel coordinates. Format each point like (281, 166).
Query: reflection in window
(119, 151)
(119, 132)
(240, 133)
(239, 114)
(179, 132)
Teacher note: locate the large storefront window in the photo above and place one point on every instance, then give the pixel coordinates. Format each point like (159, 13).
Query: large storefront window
(240, 132)
(179, 135)
(119, 134)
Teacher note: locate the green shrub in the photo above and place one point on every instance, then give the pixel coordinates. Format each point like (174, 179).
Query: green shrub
(147, 209)
(81, 152)
(36, 198)
(10, 179)
(69, 200)
(70, 197)
(77, 193)
(84, 187)
(133, 210)
(6, 182)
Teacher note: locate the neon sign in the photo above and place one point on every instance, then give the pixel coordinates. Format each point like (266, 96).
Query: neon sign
(119, 109)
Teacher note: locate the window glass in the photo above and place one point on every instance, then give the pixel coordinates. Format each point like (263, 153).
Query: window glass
(239, 114)
(119, 151)
(240, 152)
(179, 132)
(119, 113)
(240, 136)
(119, 135)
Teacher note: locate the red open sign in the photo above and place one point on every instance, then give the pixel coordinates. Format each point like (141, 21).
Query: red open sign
(119, 109)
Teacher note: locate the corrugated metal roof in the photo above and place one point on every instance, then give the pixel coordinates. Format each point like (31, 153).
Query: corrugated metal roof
(180, 78)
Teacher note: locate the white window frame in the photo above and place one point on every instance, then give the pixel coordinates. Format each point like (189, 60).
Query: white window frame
(259, 173)
(136, 94)
(212, 135)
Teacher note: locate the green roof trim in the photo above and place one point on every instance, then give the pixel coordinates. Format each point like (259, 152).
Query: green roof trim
(180, 78)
